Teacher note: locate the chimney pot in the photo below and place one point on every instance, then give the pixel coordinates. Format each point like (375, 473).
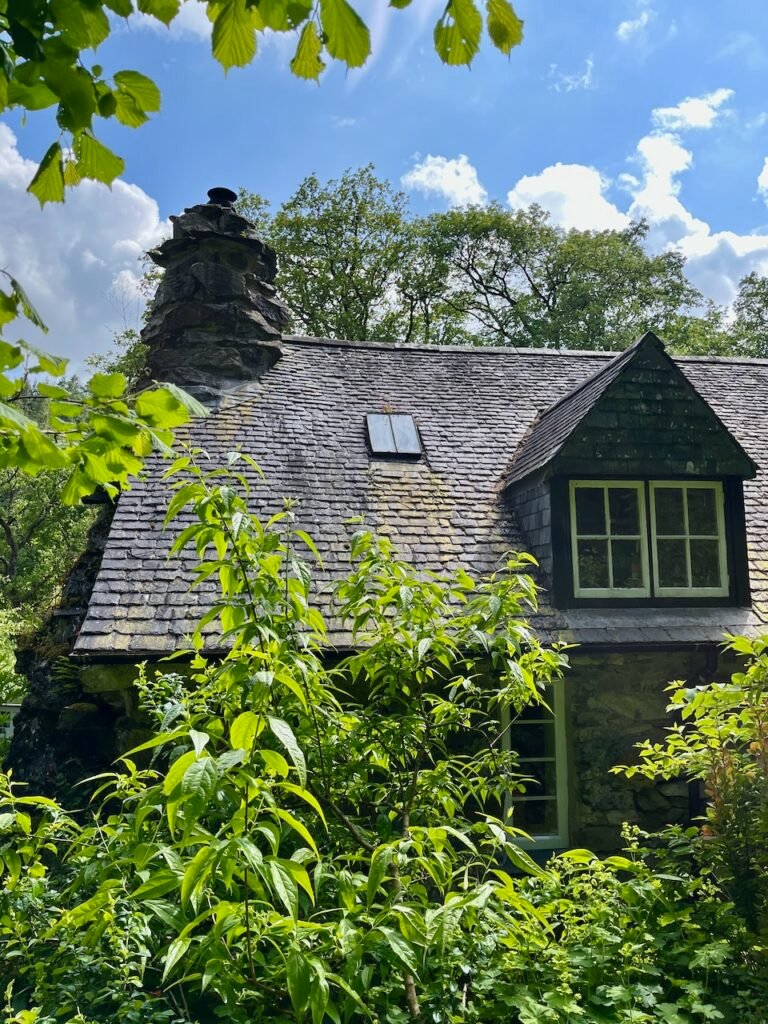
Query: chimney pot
(222, 196)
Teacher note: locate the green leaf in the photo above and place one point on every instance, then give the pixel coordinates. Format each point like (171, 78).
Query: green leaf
(142, 89)
(346, 35)
(298, 977)
(400, 4)
(163, 10)
(283, 15)
(29, 311)
(82, 26)
(47, 363)
(95, 161)
(160, 409)
(307, 62)
(244, 731)
(122, 8)
(185, 400)
(234, 34)
(108, 385)
(16, 417)
(177, 771)
(42, 451)
(380, 861)
(284, 885)
(284, 733)
(401, 948)
(457, 33)
(176, 951)
(504, 26)
(297, 827)
(48, 183)
(197, 871)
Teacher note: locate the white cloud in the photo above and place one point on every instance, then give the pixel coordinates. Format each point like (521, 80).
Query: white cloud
(573, 194)
(632, 26)
(762, 181)
(561, 82)
(455, 180)
(693, 112)
(75, 260)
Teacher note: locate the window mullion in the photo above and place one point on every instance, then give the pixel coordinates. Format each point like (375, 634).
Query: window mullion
(687, 529)
(607, 506)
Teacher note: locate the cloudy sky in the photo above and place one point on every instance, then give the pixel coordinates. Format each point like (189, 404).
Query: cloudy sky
(610, 110)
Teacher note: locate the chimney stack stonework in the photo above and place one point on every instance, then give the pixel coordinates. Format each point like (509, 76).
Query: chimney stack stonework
(216, 320)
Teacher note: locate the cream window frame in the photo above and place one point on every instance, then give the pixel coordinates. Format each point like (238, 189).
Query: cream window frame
(548, 840)
(713, 485)
(605, 486)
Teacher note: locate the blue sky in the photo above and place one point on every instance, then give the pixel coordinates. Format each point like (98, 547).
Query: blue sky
(588, 117)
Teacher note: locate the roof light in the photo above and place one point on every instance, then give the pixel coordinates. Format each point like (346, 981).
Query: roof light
(393, 434)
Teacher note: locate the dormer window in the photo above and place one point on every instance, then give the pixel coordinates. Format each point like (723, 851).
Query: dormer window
(645, 539)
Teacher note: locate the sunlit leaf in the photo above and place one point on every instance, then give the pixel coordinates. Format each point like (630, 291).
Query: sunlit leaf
(345, 34)
(457, 33)
(504, 26)
(307, 62)
(48, 183)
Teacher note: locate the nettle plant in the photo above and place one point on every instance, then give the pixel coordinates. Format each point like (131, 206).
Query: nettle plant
(310, 840)
(720, 741)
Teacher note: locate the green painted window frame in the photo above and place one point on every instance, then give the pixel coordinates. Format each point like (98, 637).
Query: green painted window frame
(548, 840)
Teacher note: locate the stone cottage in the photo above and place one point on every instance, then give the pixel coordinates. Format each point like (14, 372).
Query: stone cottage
(637, 481)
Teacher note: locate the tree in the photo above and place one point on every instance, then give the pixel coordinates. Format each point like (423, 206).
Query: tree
(310, 841)
(353, 263)
(517, 279)
(43, 63)
(750, 325)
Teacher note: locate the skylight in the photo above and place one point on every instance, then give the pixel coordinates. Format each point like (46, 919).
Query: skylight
(393, 434)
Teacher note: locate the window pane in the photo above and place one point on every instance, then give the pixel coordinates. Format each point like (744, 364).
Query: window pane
(380, 433)
(672, 567)
(669, 511)
(532, 740)
(702, 511)
(542, 778)
(705, 563)
(625, 513)
(593, 563)
(627, 564)
(590, 510)
(406, 435)
(537, 817)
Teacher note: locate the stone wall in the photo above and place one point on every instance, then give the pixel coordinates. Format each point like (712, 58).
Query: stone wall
(614, 700)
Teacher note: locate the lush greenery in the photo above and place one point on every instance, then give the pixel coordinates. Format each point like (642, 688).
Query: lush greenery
(721, 741)
(303, 841)
(45, 62)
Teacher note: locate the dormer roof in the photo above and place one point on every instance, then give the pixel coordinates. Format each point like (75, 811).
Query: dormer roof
(638, 415)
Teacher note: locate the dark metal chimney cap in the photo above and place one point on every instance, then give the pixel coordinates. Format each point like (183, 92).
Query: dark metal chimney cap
(222, 196)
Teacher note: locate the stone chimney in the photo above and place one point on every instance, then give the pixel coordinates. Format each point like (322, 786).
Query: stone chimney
(216, 320)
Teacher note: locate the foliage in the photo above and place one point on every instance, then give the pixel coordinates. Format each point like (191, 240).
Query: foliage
(750, 323)
(309, 841)
(43, 64)
(721, 741)
(517, 279)
(127, 356)
(640, 938)
(355, 263)
(97, 436)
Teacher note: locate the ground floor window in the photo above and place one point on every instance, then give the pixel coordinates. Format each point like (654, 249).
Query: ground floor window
(537, 734)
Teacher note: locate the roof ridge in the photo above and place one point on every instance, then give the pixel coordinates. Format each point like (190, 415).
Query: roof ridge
(589, 353)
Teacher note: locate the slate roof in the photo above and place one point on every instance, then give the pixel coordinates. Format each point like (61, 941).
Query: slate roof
(304, 422)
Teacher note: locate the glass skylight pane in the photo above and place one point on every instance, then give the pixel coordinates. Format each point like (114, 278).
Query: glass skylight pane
(380, 434)
(406, 436)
